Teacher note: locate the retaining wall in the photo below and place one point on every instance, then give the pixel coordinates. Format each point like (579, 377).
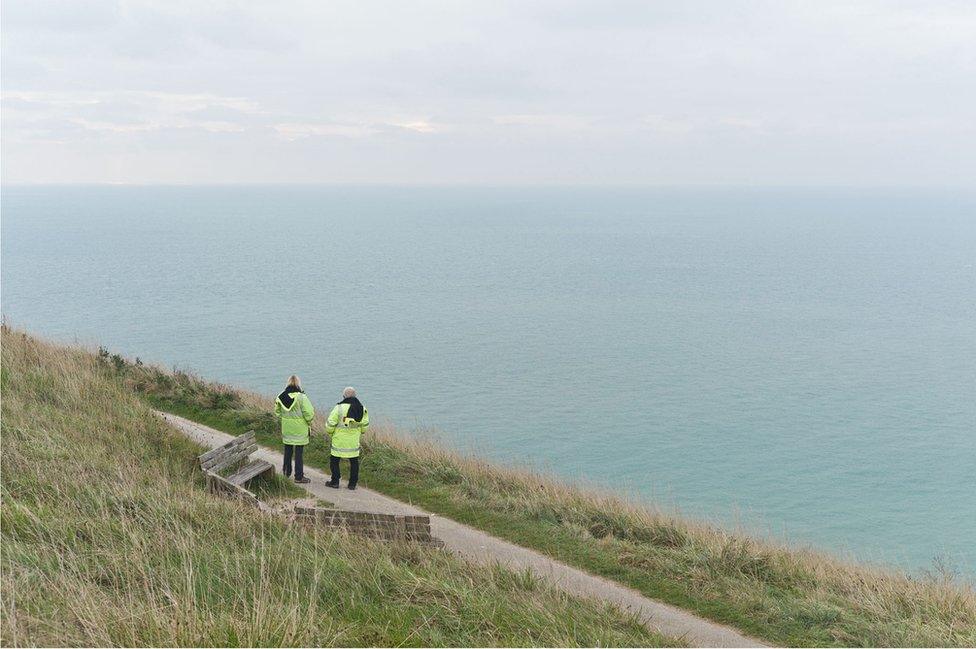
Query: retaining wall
(388, 527)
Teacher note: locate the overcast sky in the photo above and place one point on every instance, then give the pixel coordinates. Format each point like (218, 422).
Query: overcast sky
(722, 92)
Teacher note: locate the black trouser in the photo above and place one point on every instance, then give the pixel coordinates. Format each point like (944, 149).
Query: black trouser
(299, 466)
(353, 470)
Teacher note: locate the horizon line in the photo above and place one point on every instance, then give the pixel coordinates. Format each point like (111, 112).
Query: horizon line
(457, 185)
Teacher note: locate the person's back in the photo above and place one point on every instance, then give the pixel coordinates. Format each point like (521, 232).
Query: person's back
(347, 422)
(296, 413)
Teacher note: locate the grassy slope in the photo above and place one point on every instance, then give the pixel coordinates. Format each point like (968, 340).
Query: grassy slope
(785, 595)
(108, 538)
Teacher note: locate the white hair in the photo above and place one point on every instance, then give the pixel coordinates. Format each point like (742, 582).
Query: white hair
(348, 392)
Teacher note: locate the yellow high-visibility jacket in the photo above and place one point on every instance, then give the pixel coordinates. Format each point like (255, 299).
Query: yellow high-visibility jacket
(295, 419)
(345, 432)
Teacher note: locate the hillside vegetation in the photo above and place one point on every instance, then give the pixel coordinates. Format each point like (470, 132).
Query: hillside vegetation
(785, 595)
(109, 538)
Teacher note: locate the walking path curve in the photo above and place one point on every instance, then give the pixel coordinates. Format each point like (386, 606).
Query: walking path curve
(482, 548)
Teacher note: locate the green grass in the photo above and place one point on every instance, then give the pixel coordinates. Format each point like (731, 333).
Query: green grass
(785, 595)
(109, 538)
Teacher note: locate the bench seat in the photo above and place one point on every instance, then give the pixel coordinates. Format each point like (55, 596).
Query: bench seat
(250, 471)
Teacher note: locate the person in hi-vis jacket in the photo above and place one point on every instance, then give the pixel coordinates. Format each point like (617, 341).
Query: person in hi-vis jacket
(296, 413)
(347, 422)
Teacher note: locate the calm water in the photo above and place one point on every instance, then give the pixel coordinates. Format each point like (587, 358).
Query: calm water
(797, 362)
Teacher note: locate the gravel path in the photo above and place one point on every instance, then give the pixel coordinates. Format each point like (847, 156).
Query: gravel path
(478, 547)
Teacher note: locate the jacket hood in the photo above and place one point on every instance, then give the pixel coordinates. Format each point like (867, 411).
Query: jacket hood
(285, 397)
(355, 408)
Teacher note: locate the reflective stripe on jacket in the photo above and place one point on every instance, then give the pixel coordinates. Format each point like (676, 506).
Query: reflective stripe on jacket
(296, 419)
(345, 432)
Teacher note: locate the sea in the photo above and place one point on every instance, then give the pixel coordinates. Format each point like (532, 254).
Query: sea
(798, 363)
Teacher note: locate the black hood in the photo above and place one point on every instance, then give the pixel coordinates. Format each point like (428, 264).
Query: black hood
(285, 398)
(355, 408)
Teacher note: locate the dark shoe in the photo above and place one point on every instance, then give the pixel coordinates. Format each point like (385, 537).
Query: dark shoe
(302, 480)
(287, 474)
(352, 487)
(332, 485)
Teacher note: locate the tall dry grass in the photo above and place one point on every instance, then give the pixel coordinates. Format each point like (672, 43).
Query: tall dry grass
(785, 594)
(108, 538)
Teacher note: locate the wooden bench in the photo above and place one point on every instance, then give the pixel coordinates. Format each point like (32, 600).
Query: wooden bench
(233, 452)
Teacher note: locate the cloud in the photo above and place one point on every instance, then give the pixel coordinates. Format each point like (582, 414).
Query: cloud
(355, 129)
(419, 126)
(564, 122)
(296, 131)
(113, 127)
(502, 91)
(667, 125)
(742, 123)
(122, 112)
